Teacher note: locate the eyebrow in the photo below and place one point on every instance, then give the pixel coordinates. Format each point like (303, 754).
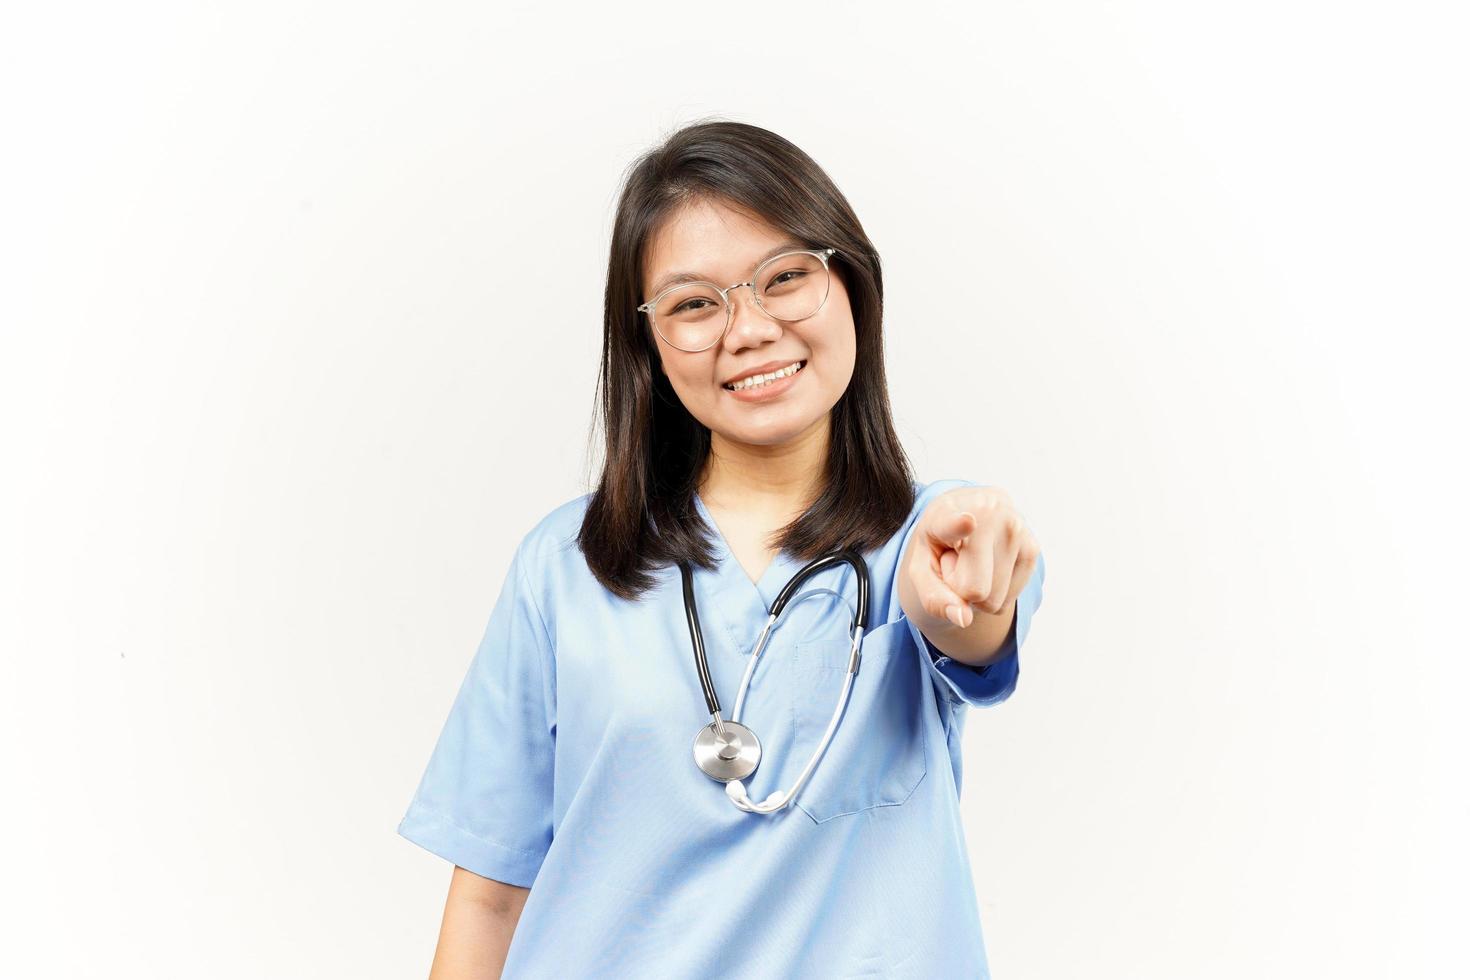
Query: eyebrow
(677, 278)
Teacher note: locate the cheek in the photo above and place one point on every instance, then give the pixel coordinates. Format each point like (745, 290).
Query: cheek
(692, 387)
(841, 364)
(835, 345)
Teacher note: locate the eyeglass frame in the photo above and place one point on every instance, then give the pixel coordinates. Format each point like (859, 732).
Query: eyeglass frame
(822, 254)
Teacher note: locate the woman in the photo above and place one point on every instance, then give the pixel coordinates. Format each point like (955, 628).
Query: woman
(563, 786)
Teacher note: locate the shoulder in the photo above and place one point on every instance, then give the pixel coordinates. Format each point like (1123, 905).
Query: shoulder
(552, 540)
(924, 493)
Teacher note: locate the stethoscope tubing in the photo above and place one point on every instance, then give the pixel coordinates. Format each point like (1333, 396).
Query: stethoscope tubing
(734, 786)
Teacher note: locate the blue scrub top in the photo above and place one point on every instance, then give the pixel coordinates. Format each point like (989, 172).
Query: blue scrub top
(566, 763)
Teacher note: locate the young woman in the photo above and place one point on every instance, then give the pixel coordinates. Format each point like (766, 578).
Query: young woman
(611, 803)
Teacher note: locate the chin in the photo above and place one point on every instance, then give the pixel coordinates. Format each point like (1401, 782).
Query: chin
(778, 432)
(764, 439)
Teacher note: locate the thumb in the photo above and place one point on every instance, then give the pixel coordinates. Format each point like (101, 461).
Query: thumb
(951, 529)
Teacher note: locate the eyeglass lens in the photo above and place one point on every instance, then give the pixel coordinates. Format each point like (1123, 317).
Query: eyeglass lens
(790, 287)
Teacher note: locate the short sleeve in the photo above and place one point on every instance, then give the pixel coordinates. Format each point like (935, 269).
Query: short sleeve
(959, 683)
(485, 799)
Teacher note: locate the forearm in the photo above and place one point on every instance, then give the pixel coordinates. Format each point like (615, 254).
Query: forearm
(480, 917)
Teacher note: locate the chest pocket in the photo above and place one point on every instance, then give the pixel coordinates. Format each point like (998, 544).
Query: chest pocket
(877, 755)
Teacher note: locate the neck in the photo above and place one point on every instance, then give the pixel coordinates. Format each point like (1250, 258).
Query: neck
(782, 479)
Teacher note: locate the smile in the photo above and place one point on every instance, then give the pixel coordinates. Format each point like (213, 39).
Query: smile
(761, 380)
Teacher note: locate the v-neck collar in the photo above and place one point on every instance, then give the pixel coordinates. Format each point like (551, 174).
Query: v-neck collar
(741, 605)
(734, 576)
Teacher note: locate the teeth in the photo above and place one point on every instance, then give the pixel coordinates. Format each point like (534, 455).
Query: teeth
(758, 380)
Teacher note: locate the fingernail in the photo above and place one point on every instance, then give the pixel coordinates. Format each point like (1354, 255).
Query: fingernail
(952, 613)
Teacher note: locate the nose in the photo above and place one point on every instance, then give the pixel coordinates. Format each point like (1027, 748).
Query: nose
(750, 326)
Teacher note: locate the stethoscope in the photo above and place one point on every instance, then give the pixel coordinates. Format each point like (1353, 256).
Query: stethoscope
(728, 751)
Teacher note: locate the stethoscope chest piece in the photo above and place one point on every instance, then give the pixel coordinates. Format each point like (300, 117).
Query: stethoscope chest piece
(732, 755)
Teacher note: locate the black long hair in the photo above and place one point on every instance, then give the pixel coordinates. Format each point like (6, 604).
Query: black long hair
(641, 516)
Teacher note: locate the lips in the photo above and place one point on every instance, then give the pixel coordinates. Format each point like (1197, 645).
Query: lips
(765, 368)
(753, 380)
(765, 391)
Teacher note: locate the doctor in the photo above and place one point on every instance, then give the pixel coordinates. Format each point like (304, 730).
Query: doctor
(748, 431)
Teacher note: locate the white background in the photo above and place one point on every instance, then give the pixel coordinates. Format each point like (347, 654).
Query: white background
(301, 308)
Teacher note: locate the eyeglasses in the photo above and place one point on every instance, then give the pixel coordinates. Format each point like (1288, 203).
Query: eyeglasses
(790, 286)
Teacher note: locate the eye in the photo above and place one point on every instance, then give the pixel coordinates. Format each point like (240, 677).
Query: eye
(686, 305)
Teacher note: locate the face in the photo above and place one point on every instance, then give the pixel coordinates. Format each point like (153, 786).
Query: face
(721, 245)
